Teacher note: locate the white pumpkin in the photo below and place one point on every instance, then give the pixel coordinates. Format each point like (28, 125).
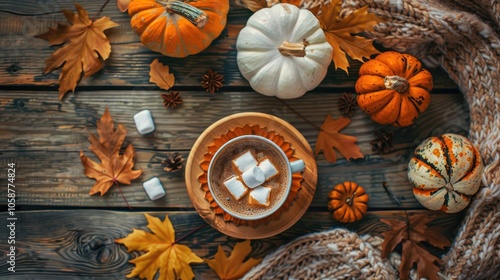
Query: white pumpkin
(445, 172)
(283, 52)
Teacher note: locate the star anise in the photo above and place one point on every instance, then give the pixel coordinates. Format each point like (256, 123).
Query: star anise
(173, 162)
(172, 99)
(347, 104)
(212, 81)
(382, 144)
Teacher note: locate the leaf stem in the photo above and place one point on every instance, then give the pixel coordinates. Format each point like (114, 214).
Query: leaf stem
(100, 10)
(120, 189)
(189, 233)
(398, 202)
(299, 115)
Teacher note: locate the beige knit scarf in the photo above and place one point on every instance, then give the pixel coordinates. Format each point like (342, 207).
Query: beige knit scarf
(463, 37)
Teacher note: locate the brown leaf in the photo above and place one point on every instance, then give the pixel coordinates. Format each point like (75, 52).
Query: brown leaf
(161, 252)
(410, 234)
(122, 5)
(114, 167)
(425, 261)
(233, 267)
(341, 32)
(160, 75)
(87, 46)
(329, 139)
(253, 5)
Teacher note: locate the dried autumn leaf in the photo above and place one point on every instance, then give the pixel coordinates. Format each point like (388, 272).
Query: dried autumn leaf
(123, 5)
(162, 252)
(114, 167)
(86, 49)
(341, 33)
(329, 139)
(255, 5)
(410, 234)
(233, 267)
(160, 75)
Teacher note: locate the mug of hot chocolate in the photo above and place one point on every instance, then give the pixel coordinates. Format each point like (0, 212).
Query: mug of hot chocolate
(250, 177)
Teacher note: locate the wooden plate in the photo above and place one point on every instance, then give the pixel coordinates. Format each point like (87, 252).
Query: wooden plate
(287, 218)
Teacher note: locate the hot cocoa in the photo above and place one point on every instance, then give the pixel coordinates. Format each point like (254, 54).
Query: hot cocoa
(227, 167)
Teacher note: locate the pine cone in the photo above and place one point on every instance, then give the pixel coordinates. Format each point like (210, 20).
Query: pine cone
(382, 144)
(173, 162)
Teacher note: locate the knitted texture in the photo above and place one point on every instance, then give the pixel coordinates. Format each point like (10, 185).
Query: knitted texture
(462, 36)
(336, 254)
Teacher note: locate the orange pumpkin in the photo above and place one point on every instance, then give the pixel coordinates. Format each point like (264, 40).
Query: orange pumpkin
(393, 88)
(348, 201)
(178, 28)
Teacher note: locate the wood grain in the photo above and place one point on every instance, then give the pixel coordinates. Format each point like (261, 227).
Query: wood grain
(45, 137)
(22, 56)
(67, 244)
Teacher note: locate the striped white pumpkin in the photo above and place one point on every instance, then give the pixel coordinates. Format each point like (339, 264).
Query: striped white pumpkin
(445, 172)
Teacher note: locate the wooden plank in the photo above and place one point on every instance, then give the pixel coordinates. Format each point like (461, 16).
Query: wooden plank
(44, 137)
(62, 244)
(22, 56)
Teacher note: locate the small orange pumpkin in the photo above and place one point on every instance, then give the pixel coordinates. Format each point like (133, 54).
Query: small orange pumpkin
(178, 28)
(348, 201)
(393, 88)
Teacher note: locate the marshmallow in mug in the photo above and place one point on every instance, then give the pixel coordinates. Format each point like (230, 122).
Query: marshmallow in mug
(253, 177)
(245, 161)
(236, 187)
(268, 168)
(260, 196)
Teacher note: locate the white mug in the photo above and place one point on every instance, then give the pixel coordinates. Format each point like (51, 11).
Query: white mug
(225, 201)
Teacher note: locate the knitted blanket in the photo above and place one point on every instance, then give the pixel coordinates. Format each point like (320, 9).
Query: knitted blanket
(463, 37)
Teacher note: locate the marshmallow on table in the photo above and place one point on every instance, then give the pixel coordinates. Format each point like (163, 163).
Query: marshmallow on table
(268, 168)
(153, 188)
(245, 161)
(253, 177)
(144, 122)
(260, 196)
(236, 188)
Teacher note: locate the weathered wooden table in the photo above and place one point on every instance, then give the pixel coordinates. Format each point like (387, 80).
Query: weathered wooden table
(62, 232)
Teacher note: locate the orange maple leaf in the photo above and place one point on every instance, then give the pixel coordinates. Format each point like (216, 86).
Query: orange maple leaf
(160, 75)
(114, 167)
(410, 233)
(162, 252)
(87, 47)
(255, 5)
(341, 33)
(329, 139)
(233, 267)
(123, 5)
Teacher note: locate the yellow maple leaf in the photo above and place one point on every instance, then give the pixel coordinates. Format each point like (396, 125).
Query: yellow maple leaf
(342, 33)
(233, 267)
(160, 75)
(162, 253)
(329, 139)
(87, 46)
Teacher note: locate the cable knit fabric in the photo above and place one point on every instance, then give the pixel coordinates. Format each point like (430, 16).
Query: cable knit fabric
(463, 37)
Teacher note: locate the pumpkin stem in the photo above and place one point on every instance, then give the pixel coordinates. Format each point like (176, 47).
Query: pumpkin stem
(293, 49)
(350, 200)
(193, 14)
(396, 83)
